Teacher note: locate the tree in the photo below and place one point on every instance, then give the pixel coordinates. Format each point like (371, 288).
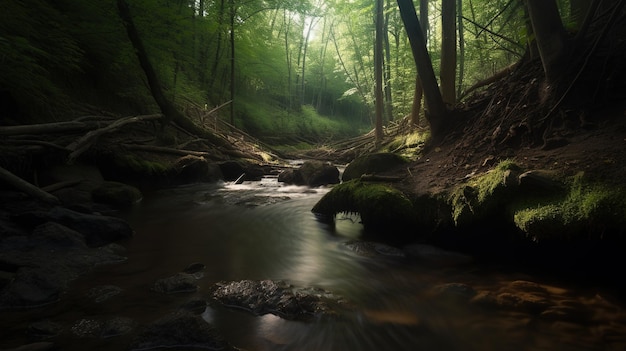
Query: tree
(550, 36)
(378, 66)
(437, 113)
(448, 51)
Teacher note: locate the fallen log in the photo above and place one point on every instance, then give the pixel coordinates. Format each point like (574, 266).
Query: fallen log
(165, 150)
(83, 143)
(26, 187)
(45, 128)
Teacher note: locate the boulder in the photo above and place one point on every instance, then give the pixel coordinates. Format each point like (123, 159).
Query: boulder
(98, 230)
(117, 195)
(311, 173)
(55, 236)
(372, 163)
(179, 282)
(194, 169)
(231, 170)
(279, 298)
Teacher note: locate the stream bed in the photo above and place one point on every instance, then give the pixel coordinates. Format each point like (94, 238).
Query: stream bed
(410, 298)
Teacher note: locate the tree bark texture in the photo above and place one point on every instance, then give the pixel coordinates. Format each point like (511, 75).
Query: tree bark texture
(448, 51)
(549, 35)
(436, 108)
(378, 69)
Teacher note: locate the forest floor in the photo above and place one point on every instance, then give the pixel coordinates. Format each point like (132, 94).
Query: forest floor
(509, 121)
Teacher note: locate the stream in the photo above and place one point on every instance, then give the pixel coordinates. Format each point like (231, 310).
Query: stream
(427, 299)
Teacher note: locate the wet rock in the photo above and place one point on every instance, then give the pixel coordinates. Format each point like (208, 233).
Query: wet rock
(103, 293)
(521, 296)
(178, 283)
(565, 313)
(311, 173)
(44, 329)
(97, 230)
(193, 169)
(117, 195)
(31, 287)
(231, 170)
(456, 291)
(279, 298)
(55, 235)
(195, 267)
(181, 331)
(373, 163)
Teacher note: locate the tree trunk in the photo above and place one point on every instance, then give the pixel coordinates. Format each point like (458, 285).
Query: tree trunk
(549, 35)
(416, 107)
(387, 64)
(448, 51)
(232, 62)
(437, 112)
(459, 10)
(378, 68)
(167, 108)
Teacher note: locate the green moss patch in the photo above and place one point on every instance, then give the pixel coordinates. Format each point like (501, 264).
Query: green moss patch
(381, 207)
(588, 211)
(484, 196)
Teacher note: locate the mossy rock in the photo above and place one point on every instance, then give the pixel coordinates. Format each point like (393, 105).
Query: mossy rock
(485, 197)
(372, 163)
(587, 211)
(383, 209)
(116, 194)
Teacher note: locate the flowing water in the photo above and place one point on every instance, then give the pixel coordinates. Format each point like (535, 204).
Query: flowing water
(265, 230)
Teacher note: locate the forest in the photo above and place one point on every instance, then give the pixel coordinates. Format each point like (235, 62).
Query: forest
(285, 68)
(312, 174)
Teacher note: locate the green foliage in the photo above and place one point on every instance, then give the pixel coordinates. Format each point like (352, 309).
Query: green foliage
(274, 123)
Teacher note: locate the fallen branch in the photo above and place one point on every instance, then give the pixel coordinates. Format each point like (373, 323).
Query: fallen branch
(26, 187)
(163, 149)
(45, 128)
(83, 143)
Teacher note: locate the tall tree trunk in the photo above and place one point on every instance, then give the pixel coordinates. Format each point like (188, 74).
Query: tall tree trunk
(167, 108)
(437, 112)
(448, 51)
(218, 49)
(306, 45)
(387, 63)
(416, 107)
(459, 11)
(549, 35)
(378, 68)
(232, 62)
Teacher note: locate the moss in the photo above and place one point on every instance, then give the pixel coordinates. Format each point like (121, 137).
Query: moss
(380, 206)
(408, 145)
(589, 210)
(483, 196)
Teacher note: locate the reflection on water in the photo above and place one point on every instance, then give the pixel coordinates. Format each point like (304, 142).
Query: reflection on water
(264, 230)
